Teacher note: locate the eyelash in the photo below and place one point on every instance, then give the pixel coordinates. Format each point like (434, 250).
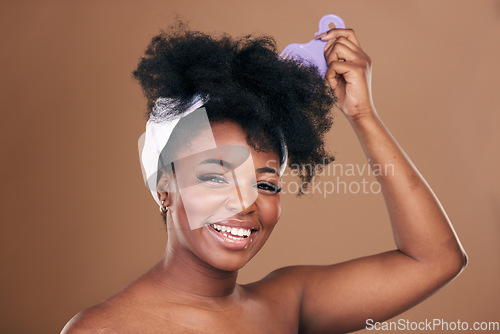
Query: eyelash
(219, 179)
(212, 177)
(270, 187)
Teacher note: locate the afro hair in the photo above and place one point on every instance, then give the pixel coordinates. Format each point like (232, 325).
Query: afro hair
(246, 82)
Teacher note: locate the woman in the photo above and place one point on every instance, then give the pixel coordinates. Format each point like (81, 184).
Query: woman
(218, 190)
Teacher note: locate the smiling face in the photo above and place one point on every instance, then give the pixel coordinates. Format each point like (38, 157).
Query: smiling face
(224, 202)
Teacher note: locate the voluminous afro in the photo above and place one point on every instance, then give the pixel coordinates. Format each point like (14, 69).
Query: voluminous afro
(247, 83)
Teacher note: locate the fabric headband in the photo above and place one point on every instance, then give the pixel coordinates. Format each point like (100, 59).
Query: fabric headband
(159, 128)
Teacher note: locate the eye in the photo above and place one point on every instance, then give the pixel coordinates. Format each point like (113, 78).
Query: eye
(268, 187)
(213, 178)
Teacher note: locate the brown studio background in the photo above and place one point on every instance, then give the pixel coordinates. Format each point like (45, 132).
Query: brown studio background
(77, 222)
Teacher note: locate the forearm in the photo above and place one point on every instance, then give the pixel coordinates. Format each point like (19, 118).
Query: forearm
(421, 228)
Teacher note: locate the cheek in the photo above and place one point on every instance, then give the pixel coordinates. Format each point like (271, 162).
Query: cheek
(269, 210)
(199, 205)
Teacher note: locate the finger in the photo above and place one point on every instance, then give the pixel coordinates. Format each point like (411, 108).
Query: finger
(344, 41)
(347, 33)
(340, 52)
(340, 69)
(343, 48)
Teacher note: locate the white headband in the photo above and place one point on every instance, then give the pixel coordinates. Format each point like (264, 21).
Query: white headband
(159, 128)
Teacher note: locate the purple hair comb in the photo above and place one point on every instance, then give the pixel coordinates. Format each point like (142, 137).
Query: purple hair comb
(311, 54)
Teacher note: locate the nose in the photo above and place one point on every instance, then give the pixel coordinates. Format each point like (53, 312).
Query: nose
(242, 196)
(237, 204)
(249, 209)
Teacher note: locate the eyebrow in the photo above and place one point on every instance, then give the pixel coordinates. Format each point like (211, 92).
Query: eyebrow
(218, 162)
(230, 166)
(267, 170)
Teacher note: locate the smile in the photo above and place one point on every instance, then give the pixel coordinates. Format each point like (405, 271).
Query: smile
(234, 235)
(233, 232)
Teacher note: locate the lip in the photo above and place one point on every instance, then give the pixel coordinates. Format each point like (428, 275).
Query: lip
(247, 224)
(230, 243)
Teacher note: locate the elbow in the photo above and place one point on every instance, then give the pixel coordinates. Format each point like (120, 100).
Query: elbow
(447, 261)
(464, 260)
(454, 262)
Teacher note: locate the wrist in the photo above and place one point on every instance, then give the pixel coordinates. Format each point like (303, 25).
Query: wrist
(364, 118)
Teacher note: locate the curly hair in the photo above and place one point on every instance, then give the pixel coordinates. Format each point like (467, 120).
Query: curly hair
(247, 83)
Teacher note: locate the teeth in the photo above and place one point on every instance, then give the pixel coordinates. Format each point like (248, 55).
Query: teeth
(234, 231)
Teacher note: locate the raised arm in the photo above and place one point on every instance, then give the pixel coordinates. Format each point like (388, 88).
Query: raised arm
(340, 298)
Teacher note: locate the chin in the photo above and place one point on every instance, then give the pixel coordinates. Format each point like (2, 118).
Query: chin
(228, 262)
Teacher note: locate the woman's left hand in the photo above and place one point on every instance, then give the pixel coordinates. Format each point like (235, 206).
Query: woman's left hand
(349, 73)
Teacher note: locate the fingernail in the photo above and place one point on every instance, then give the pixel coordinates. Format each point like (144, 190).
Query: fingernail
(320, 35)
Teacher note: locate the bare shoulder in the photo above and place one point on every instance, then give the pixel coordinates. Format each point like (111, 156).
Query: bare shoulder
(96, 319)
(130, 310)
(282, 284)
(288, 277)
(108, 316)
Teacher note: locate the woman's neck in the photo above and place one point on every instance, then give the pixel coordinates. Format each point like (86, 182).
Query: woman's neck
(180, 274)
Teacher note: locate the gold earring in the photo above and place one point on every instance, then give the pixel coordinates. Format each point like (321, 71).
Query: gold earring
(163, 209)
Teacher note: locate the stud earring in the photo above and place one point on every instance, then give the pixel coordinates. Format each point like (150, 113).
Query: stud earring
(163, 209)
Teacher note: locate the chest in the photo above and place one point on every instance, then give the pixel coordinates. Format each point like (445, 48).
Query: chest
(245, 318)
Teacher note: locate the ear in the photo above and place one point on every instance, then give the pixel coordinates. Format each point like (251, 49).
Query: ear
(165, 187)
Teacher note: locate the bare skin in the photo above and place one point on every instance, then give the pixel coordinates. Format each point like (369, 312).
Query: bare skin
(193, 290)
